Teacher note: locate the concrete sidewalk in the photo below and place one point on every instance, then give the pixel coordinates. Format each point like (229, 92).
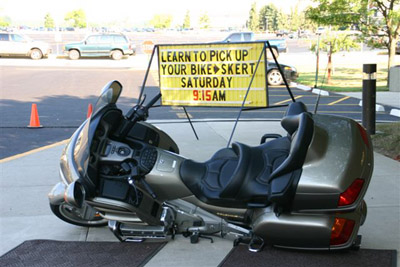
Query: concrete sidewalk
(26, 180)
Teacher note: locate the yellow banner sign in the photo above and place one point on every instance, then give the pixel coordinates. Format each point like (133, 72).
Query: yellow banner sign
(212, 74)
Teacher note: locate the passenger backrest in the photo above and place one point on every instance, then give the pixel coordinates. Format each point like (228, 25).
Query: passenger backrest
(301, 129)
(295, 108)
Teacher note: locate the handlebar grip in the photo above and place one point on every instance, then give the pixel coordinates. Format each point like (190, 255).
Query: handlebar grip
(153, 101)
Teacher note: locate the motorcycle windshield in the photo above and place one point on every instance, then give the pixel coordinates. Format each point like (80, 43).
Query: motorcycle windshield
(109, 95)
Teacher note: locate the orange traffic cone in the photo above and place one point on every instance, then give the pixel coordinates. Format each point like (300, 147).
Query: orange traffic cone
(35, 123)
(89, 111)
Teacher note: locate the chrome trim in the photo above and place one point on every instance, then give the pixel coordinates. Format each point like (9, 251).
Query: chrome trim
(99, 203)
(75, 194)
(56, 195)
(68, 170)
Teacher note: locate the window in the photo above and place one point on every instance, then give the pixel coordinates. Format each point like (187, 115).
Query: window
(120, 39)
(92, 39)
(247, 36)
(105, 39)
(17, 38)
(4, 37)
(235, 37)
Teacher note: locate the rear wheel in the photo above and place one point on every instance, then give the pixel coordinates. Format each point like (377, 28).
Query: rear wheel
(274, 77)
(116, 54)
(36, 54)
(74, 54)
(85, 216)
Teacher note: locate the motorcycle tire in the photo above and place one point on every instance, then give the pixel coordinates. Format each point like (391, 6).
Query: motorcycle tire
(68, 214)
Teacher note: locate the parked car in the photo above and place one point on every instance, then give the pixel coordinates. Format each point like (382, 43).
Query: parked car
(14, 44)
(113, 45)
(277, 45)
(282, 33)
(274, 77)
(398, 48)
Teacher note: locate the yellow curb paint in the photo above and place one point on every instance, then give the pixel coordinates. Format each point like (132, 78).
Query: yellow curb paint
(32, 151)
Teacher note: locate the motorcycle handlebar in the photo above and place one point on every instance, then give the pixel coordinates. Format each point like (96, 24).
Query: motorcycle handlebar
(136, 114)
(153, 101)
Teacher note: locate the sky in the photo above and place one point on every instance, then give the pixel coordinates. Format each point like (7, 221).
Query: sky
(222, 13)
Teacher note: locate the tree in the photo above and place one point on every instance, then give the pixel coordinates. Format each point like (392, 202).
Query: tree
(379, 19)
(204, 21)
(161, 21)
(186, 20)
(5, 21)
(253, 22)
(333, 43)
(76, 18)
(48, 21)
(282, 21)
(268, 18)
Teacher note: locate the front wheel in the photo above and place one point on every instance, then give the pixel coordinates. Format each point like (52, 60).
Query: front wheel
(74, 54)
(117, 54)
(36, 54)
(84, 216)
(274, 77)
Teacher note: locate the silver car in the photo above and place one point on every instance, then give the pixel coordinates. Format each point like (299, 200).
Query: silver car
(13, 44)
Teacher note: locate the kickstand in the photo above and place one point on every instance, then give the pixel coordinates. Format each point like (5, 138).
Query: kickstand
(194, 238)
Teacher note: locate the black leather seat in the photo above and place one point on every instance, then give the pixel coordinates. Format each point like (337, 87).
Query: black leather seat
(244, 176)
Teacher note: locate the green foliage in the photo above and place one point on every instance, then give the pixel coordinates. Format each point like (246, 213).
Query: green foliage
(161, 21)
(76, 18)
(298, 20)
(48, 21)
(282, 21)
(204, 21)
(268, 18)
(334, 43)
(337, 12)
(186, 20)
(5, 21)
(253, 22)
(377, 20)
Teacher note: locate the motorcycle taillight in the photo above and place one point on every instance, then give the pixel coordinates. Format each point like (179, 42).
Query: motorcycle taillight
(350, 195)
(364, 134)
(341, 231)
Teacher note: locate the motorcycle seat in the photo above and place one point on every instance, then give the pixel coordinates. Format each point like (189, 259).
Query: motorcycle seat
(244, 176)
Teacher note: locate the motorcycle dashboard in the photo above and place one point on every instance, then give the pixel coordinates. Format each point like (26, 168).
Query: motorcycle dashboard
(107, 154)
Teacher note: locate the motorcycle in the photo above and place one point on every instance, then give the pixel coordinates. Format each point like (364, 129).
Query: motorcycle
(304, 190)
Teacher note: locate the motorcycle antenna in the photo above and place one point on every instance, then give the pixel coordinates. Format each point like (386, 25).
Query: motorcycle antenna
(190, 122)
(245, 97)
(147, 73)
(319, 93)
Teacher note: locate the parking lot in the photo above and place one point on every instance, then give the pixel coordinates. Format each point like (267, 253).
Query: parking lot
(63, 88)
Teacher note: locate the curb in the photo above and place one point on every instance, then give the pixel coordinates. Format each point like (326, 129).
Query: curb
(301, 87)
(378, 108)
(395, 112)
(310, 89)
(320, 92)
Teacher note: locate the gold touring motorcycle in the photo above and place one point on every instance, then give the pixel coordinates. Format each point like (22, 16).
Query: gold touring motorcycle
(304, 190)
